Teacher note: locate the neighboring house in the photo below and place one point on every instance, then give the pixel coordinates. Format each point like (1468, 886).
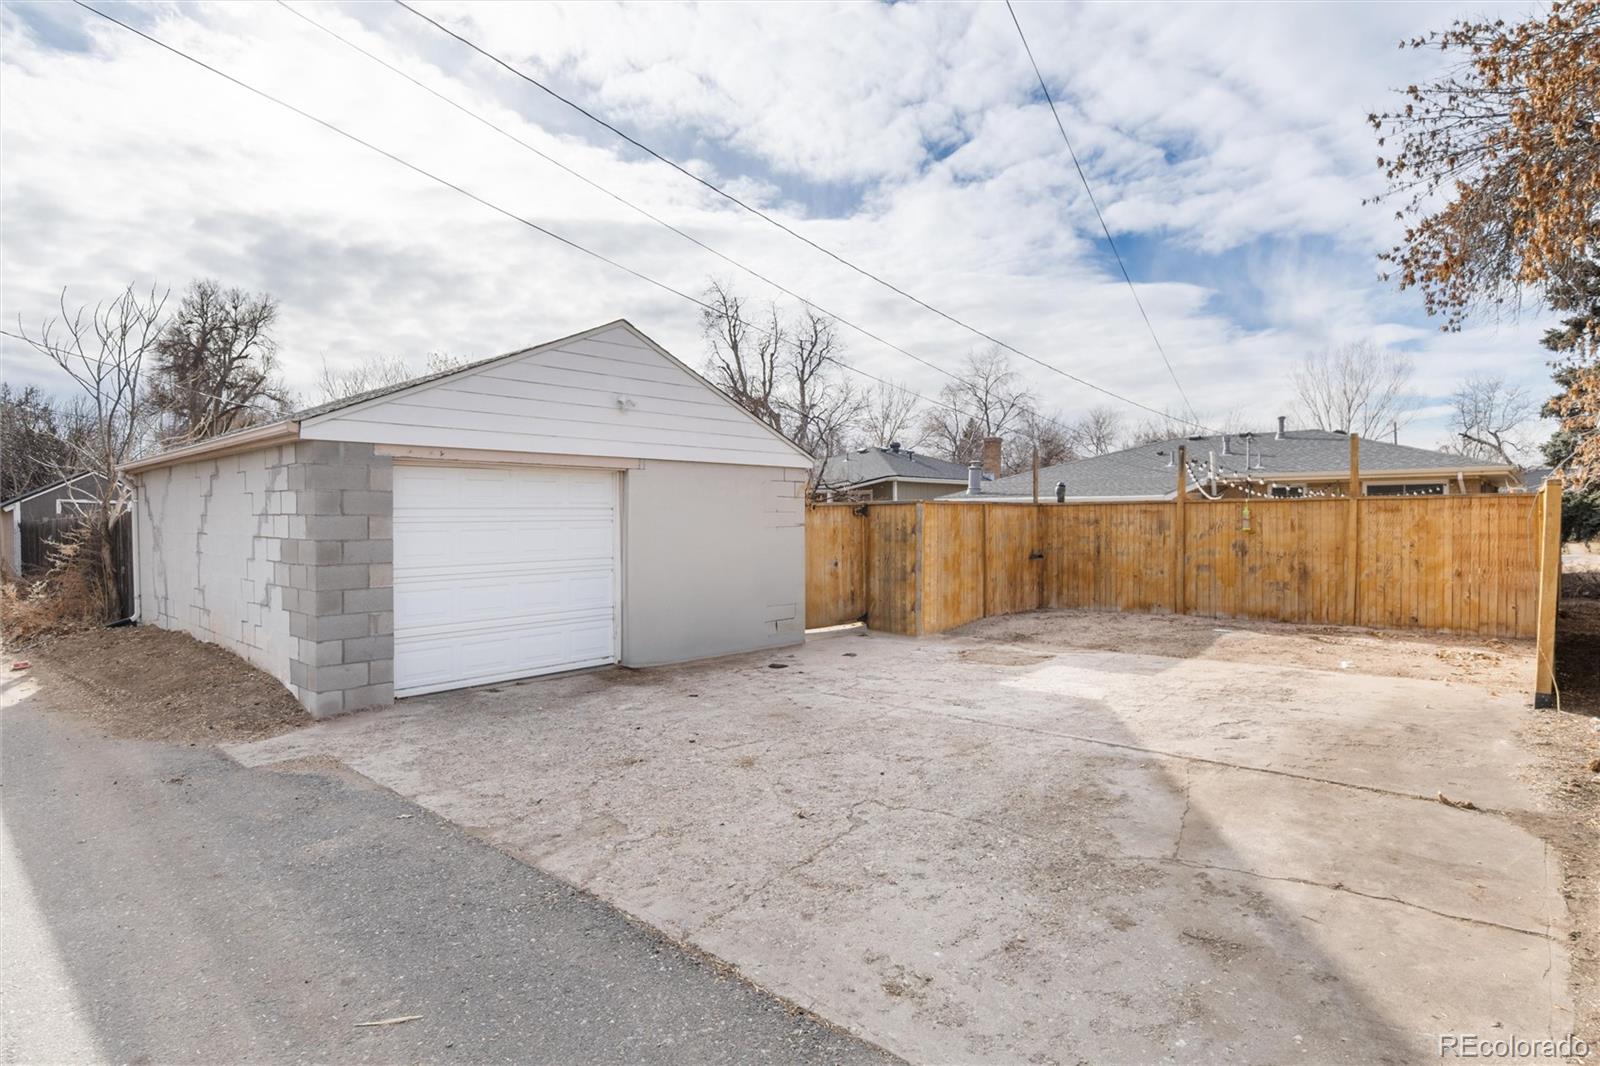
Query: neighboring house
(65, 499)
(892, 473)
(1288, 463)
(583, 502)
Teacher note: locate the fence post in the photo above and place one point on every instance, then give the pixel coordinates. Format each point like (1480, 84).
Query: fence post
(1352, 551)
(1180, 531)
(922, 570)
(1544, 679)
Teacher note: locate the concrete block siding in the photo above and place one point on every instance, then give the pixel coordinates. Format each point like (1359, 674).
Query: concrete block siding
(284, 559)
(285, 555)
(210, 536)
(337, 579)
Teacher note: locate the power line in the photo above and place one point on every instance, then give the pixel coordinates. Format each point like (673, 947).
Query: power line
(263, 94)
(475, 116)
(479, 118)
(780, 225)
(1095, 204)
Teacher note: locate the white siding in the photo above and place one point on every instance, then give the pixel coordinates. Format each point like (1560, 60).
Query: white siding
(713, 561)
(209, 534)
(563, 399)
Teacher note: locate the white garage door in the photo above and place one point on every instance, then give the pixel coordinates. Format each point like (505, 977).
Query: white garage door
(501, 572)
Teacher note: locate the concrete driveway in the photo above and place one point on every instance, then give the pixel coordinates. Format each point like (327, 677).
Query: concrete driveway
(971, 850)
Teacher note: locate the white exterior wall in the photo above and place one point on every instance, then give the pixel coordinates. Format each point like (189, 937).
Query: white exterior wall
(209, 533)
(713, 560)
(607, 392)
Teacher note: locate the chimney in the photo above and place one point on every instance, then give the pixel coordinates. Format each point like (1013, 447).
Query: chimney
(991, 456)
(1281, 428)
(894, 446)
(1226, 450)
(974, 478)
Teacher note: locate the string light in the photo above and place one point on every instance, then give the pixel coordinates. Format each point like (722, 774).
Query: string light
(1201, 475)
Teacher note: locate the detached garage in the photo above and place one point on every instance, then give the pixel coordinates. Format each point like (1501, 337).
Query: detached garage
(584, 502)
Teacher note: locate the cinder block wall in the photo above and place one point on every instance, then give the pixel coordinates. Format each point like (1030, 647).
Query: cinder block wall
(338, 577)
(282, 555)
(210, 536)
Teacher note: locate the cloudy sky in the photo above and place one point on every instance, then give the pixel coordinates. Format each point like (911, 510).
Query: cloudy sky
(1227, 146)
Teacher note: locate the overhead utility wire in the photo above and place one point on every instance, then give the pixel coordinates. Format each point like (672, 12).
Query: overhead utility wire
(613, 195)
(1095, 204)
(786, 229)
(471, 195)
(477, 117)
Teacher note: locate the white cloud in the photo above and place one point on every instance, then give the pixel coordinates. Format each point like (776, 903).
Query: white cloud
(1230, 140)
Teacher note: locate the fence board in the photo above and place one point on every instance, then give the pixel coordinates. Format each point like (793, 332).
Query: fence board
(953, 566)
(1013, 579)
(894, 544)
(1468, 564)
(836, 564)
(1109, 556)
(1459, 563)
(1287, 566)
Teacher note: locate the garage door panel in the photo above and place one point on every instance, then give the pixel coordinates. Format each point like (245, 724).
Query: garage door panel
(501, 572)
(445, 600)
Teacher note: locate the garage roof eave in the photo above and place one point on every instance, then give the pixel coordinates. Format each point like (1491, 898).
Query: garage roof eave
(244, 440)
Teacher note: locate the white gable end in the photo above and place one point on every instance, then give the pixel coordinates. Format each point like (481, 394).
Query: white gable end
(609, 392)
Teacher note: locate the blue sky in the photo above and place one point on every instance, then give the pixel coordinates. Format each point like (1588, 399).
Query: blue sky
(1227, 146)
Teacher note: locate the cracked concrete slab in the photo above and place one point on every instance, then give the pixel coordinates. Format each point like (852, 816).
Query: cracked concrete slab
(966, 850)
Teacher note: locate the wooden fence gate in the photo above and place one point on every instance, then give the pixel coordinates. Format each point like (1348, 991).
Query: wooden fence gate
(1487, 565)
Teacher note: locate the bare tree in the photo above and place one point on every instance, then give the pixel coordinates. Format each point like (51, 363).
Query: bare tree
(1491, 420)
(744, 358)
(892, 414)
(987, 399)
(785, 373)
(37, 437)
(103, 352)
(216, 364)
(376, 371)
(818, 408)
(1359, 388)
(1035, 430)
(1099, 431)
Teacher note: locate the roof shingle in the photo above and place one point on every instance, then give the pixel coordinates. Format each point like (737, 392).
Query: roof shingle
(867, 465)
(1149, 469)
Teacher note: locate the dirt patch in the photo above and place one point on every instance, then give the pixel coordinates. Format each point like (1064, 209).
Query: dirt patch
(1499, 665)
(1578, 632)
(1568, 743)
(155, 684)
(1002, 656)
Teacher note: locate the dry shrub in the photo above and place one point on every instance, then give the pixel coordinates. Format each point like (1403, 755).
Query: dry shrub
(68, 597)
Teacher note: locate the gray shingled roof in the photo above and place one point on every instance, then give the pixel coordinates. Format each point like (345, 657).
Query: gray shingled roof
(867, 465)
(1146, 470)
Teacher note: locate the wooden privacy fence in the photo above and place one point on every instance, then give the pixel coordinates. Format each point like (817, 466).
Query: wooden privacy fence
(38, 537)
(1479, 564)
